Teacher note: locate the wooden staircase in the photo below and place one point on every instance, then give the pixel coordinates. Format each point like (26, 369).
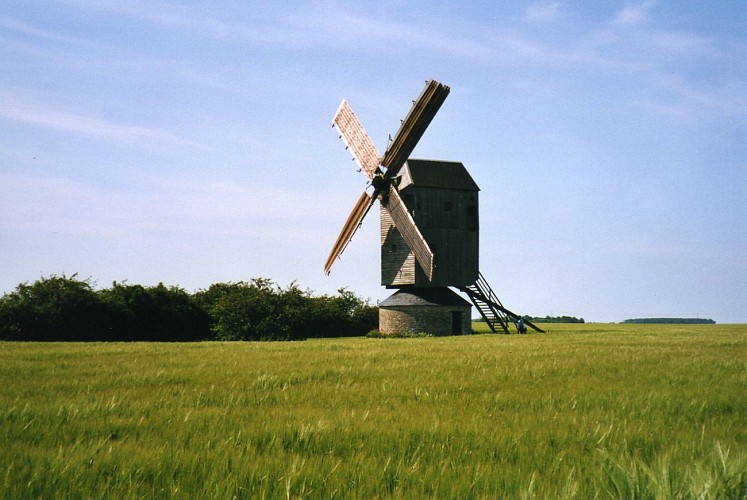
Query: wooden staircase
(490, 307)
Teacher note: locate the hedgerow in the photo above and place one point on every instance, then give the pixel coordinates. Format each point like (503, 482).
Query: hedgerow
(62, 308)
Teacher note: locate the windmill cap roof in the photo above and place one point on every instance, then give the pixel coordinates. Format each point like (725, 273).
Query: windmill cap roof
(437, 174)
(440, 296)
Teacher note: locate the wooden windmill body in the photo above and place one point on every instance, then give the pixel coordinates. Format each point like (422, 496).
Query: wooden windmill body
(429, 216)
(442, 200)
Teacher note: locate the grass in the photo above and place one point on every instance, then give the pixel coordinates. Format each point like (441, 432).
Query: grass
(609, 411)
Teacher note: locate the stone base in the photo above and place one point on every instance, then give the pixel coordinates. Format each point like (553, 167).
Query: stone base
(436, 311)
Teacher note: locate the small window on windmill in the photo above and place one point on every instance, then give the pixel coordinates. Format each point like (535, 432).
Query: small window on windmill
(472, 217)
(393, 248)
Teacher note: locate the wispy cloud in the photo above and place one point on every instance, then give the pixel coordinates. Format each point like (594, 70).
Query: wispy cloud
(160, 13)
(25, 107)
(672, 96)
(163, 206)
(542, 12)
(351, 31)
(634, 15)
(199, 20)
(628, 45)
(78, 124)
(21, 27)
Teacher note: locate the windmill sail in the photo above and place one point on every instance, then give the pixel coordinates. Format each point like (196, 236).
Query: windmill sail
(356, 139)
(413, 126)
(368, 158)
(352, 224)
(405, 224)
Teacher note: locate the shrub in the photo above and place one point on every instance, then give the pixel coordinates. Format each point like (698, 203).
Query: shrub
(376, 334)
(157, 313)
(51, 309)
(62, 308)
(242, 311)
(261, 310)
(342, 315)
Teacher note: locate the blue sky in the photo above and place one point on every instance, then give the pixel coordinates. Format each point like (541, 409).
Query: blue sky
(190, 143)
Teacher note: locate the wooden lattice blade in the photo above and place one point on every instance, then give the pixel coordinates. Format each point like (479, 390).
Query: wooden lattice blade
(352, 223)
(405, 224)
(356, 139)
(413, 126)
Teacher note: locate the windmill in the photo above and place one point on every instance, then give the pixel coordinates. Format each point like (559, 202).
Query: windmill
(429, 227)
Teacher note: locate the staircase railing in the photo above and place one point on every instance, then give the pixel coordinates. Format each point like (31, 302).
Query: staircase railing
(490, 307)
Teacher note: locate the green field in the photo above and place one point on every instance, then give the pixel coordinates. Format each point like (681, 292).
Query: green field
(609, 411)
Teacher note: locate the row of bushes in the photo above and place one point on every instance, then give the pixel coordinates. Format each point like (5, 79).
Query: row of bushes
(61, 308)
(671, 321)
(549, 319)
(555, 319)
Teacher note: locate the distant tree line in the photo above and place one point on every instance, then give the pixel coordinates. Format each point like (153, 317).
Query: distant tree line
(672, 321)
(61, 308)
(546, 319)
(555, 319)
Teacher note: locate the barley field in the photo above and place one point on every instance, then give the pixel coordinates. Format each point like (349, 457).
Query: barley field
(584, 411)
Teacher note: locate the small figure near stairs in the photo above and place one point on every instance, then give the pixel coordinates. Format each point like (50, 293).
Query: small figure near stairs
(520, 326)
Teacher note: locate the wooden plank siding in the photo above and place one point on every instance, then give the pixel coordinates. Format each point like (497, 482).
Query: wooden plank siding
(449, 222)
(397, 261)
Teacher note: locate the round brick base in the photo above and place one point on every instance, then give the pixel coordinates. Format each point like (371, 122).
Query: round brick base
(436, 311)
